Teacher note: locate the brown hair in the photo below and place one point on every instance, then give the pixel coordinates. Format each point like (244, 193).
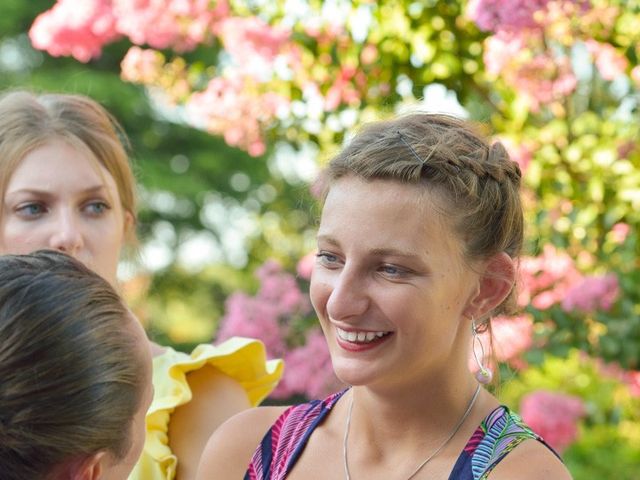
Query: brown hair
(478, 182)
(70, 367)
(29, 121)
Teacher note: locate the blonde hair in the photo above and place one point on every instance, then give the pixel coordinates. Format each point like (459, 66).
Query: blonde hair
(479, 183)
(29, 121)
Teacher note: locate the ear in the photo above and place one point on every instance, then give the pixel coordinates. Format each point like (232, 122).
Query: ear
(91, 467)
(129, 223)
(494, 286)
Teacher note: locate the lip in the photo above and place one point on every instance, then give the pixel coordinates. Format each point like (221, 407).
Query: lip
(359, 346)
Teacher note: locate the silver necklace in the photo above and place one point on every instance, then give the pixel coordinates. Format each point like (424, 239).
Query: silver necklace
(426, 460)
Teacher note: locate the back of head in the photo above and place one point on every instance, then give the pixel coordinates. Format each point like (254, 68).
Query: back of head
(29, 121)
(71, 370)
(477, 184)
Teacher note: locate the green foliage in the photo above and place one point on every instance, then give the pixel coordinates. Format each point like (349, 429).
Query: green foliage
(608, 445)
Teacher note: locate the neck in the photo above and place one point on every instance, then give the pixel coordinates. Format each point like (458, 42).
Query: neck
(421, 415)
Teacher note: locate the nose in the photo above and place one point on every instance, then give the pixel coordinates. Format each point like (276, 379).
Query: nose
(67, 236)
(349, 296)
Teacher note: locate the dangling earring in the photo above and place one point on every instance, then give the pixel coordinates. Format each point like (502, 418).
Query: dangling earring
(484, 374)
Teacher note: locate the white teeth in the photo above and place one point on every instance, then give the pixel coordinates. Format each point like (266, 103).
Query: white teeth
(361, 337)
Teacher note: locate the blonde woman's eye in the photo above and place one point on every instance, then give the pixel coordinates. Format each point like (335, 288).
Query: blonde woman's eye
(31, 210)
(97, 208)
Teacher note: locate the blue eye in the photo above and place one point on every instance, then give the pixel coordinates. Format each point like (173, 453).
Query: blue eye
(327, 259)
(392, 270)
(96, 208)
(31, 210)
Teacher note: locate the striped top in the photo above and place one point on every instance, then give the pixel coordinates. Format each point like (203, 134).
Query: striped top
(499, 433)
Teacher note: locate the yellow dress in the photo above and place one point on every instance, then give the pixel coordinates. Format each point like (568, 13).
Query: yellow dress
(242, 359)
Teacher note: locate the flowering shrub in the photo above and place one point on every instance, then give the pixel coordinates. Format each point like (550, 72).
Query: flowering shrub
(279, 315)
(554, 416)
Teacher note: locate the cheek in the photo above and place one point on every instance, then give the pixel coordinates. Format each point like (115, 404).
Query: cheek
(319, 292)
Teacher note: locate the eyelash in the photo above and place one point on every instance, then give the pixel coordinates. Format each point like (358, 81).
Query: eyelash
(329, 260)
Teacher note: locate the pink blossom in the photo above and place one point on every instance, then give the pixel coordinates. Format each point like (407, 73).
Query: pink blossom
(609, 61)
(79, 29)
(304, 268)
(598, 292)
(255, 318)
(544, 79)
(308, 370)
(141, 65)
(179, 24)
(231, 106)
(250, 39)
(619, 232)
(554, 416)
(279, 288)
(632, 379)
(545, 279)
(494, 15)
(502, 48)
(511, 336)
(521, 152)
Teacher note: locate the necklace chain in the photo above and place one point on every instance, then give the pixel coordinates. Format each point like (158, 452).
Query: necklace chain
(426, 460)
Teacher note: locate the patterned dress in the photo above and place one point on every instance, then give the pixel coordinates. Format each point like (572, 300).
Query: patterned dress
(499, 433)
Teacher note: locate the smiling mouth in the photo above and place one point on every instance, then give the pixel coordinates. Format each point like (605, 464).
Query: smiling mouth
(360, 337)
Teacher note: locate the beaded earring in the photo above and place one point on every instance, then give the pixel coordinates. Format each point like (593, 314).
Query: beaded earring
(484, 374)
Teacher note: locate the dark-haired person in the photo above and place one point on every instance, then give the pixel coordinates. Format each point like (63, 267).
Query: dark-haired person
(75, 370)
(418, 240)
(66, 184)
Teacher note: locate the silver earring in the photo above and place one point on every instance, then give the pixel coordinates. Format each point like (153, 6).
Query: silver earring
(484, 374)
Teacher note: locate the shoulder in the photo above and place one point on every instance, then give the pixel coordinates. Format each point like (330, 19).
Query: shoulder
(531, 460)
(230, 448)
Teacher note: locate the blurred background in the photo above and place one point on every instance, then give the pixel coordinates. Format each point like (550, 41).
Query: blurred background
(232, 108)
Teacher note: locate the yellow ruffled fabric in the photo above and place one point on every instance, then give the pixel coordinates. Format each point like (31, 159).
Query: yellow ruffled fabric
(242, 359)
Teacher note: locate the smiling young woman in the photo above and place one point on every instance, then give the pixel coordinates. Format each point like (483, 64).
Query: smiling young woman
(66, 184)
(418, 239)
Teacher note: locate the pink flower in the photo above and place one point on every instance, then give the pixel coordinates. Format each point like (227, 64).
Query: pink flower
(632, 379)
(494, 15)
(521, 153)
(177, 24)
(554, 416)
(231, 106)
(141, 65)
(255, 318)
(598, 292)
(308, 370)
(252, 43)
(609, 61)
(545, 279)
(511, 336)
(79, 29)
(619, 232)
(305, 265)
(280, 289)
(500, 49)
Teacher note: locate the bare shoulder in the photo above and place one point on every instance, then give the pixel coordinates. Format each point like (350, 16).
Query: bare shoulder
(531, 460)
(215, 398)
(231, 446)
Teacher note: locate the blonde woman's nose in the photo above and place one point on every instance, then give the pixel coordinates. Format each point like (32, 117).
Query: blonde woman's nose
(67, 235)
